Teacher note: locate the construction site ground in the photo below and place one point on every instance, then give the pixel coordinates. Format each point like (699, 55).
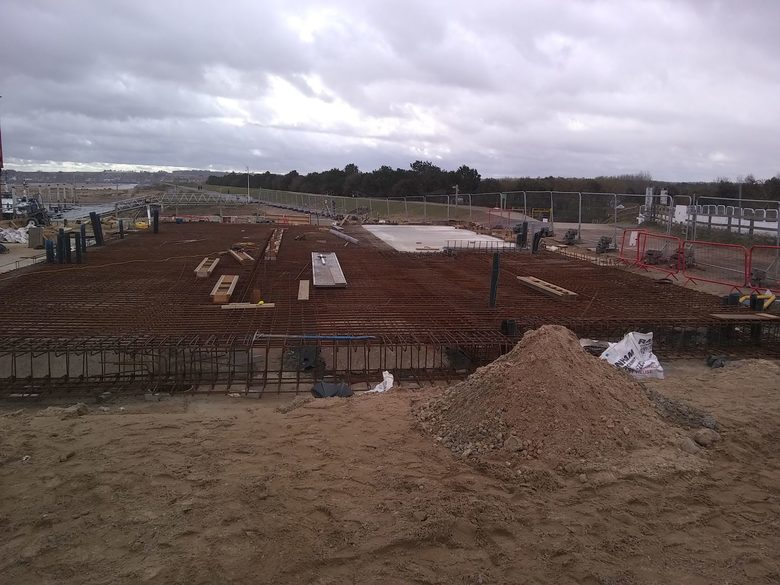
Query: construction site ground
(144, 285)
(228, 490)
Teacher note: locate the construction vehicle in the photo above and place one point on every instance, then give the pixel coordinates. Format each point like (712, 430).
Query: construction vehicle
(25, 207)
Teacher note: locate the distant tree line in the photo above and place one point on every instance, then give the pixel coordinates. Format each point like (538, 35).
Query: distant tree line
(425, 178)
(422, 178)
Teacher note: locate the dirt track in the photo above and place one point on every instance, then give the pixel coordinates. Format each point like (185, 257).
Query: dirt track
(350, 491)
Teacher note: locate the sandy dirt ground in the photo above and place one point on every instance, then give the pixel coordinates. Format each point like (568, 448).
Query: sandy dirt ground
(219, 490)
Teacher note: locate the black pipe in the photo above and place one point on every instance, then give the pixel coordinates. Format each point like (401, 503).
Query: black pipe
(68, 251)
(77, 237)
(522, 237)
(121, 229)
(156, 221)
(536, 241)
(494, 279)
(83, 230)
(49, 245)
(96, 229)
(61, 246)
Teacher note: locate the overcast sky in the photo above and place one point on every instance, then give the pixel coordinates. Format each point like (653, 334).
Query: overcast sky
(682, 90)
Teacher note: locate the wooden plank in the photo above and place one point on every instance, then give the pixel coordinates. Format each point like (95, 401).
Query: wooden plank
(241, 256)
(547, 288)
(303, 290)
(274, 243)
(224, 288)
(206, 267)
(745, 316)
(248, 306)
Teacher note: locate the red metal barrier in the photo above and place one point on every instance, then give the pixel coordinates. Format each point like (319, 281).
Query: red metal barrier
(764, 268)
(659, 252)
(629, 246)
(725, 264)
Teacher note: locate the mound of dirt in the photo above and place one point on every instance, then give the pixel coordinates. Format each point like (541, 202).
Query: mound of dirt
(546, 399)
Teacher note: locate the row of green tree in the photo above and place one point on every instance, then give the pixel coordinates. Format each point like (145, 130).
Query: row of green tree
(425, 178)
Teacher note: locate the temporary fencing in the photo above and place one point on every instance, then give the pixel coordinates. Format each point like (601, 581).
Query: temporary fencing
(725, 264)
(660, 252)
(629, 247)
(731, 265)
(764, 268)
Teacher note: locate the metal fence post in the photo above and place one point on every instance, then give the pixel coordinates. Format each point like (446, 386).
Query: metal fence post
(469, 206)
(614, 218)
(579, 218)
(425, 208)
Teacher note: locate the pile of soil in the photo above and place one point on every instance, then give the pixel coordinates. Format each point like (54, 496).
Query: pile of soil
(546, 399)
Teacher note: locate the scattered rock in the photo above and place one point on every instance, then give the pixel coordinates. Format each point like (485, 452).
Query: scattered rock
(296, 402)
(689, 446)
(66, 456)
(583, 478)
(156, 396)
(706, 437)
(512, 444)
(78, 409)
(680, 413)
(104, 397)
(420, 516)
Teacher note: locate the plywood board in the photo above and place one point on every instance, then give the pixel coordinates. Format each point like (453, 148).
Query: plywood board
(326, 270)
(224, 288)
(745, 316)
(547, 288)
(303, 290)
(248, 306)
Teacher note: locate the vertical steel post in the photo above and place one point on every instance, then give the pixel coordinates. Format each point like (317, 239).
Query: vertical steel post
(121, 229)
(614, 231)
(83, 230)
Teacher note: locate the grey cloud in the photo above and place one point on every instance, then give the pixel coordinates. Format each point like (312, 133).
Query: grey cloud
(682, 89)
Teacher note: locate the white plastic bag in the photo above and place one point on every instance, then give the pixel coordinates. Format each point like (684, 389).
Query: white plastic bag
(635, 354)
(385, 384)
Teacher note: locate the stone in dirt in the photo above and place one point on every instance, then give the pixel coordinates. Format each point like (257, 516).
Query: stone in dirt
(296, 402)
(549, 400)
(706, 437)
(78, 409)
(689, 446)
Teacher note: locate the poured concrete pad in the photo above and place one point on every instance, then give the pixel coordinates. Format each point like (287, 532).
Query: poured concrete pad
(420, 238)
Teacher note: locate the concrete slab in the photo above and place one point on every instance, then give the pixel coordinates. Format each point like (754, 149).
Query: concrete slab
(19, 255)
(416, 238)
